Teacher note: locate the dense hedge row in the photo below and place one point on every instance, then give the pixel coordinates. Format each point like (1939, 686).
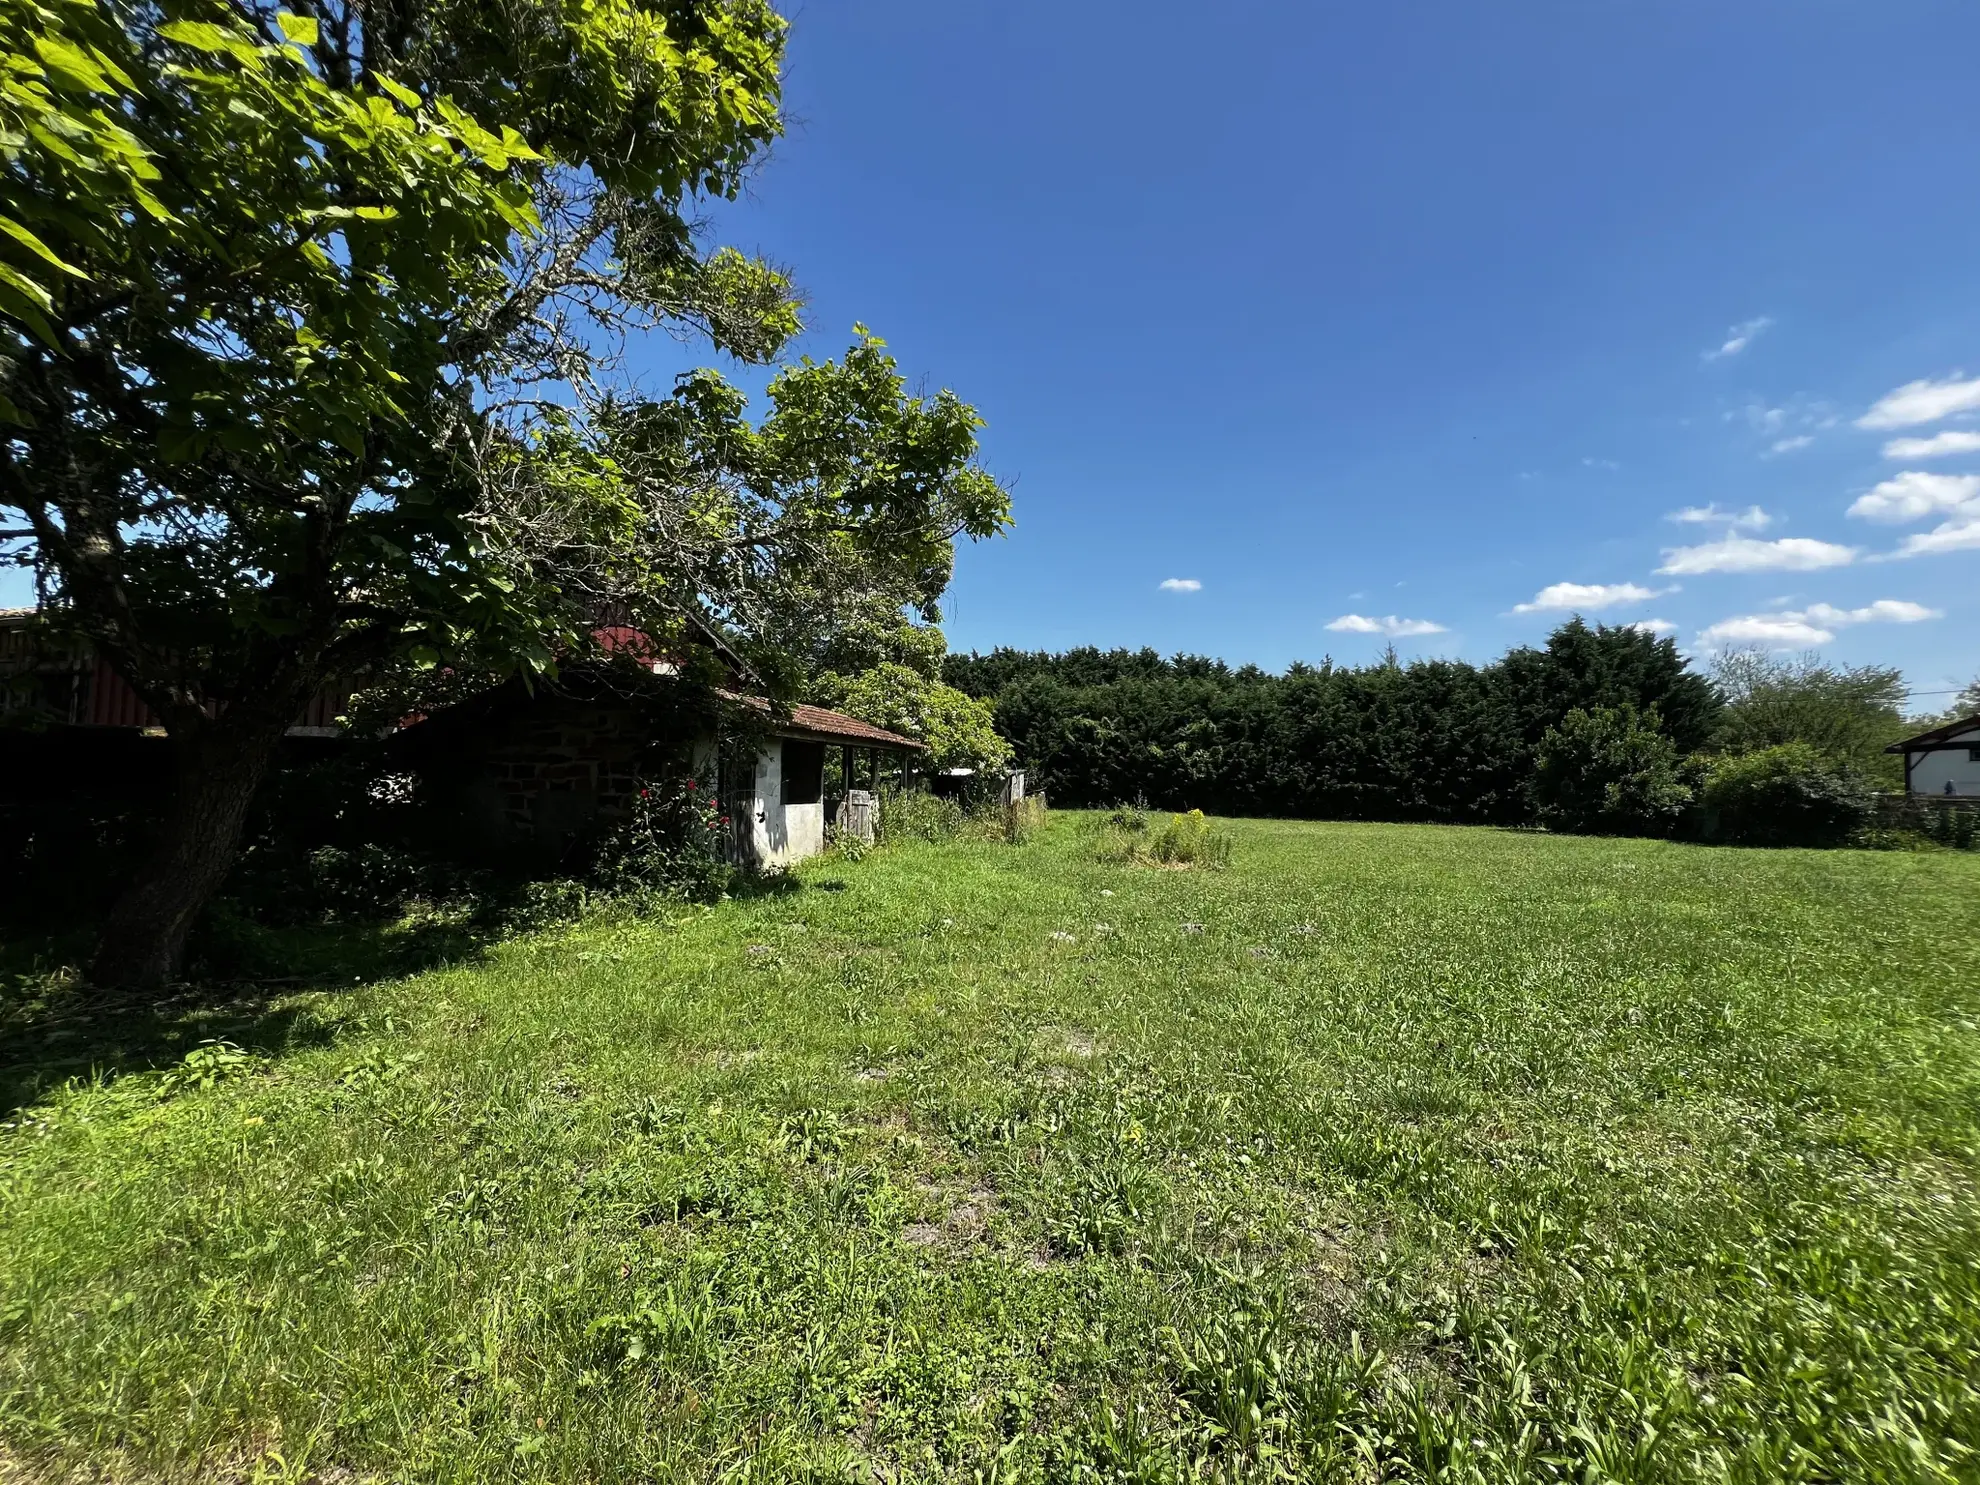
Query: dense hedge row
(1433, 740)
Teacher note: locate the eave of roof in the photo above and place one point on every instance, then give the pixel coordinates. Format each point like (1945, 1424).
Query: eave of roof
(819, 723)
(1937, 734)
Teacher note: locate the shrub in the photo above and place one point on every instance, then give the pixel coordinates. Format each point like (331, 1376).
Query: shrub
(669, 844)
(1127, 837)
(1790, 795)
(1609, 771)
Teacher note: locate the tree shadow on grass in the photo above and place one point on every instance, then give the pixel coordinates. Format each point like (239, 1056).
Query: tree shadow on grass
(248, 988)
(249, 983)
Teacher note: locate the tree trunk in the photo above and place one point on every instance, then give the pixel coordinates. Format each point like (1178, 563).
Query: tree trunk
(218, 770)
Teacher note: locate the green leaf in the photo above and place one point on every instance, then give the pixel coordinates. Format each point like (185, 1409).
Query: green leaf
(201, 36)
(73, 63)
(404, 94)
(300, 29)
(22, 284)
(349, 435)
(41, 249)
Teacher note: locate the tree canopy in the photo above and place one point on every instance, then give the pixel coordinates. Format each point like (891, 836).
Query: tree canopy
(1431, 740)
(311, 334)
(1847, 713)
(960, 730)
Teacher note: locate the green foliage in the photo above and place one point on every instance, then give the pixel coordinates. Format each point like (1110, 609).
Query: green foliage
(206, 1066)
(1965, 703)
(1849, 714)
(1957, 827)
(1610, 771)
(915, 814)
(309, 327)
(1129, 838)
(958, 729)
(670, 844)
(1023, 819)
(245, 246)
(1792, 794)
(1434, 1154)
(1433, 740)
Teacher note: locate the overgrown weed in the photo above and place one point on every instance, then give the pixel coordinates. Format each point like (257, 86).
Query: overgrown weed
(1128, 837)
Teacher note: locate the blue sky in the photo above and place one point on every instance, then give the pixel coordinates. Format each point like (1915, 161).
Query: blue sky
(1415, 310)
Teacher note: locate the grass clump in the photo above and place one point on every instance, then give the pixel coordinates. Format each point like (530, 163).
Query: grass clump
(1128, 837)
(1023, 819)
(1387, 1153)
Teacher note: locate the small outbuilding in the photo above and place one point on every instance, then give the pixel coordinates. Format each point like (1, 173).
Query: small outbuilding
(551, 768)
(1943, 763)
(543, 769)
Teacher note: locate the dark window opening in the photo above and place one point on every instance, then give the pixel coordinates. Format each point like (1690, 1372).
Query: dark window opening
(804, 772)
(1973, 755)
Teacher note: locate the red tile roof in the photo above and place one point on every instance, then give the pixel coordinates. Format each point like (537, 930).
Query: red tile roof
(816, 721)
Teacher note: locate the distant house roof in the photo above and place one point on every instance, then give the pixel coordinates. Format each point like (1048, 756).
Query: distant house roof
(1936, 735)
(819, 724)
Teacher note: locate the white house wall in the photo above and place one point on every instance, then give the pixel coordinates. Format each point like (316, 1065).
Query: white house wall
(1931, 772)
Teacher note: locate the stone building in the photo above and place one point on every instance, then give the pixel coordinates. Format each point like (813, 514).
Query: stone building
(550, 768)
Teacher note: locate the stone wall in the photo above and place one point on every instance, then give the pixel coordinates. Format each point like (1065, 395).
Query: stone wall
(566, 772)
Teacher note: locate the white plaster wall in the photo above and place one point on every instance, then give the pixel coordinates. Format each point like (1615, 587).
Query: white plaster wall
(804, 830)
(766, 814)
(1930, 772)
(781, 833)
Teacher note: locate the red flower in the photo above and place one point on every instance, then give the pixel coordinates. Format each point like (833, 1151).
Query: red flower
(725, 819)
(690, 783)
(645, 793)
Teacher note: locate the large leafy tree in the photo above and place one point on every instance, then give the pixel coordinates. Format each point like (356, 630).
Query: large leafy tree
(310, 333)
(960, 730)
(1848, 713)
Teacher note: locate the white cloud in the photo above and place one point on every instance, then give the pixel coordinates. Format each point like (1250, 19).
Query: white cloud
(1958, 535)
(1751, 519)
(1814, 625)
(1938, 446)
(1653, 626)
(1923, 402)
(1913, 495)
(1732, 553)
(1181, 585)
(1739, 337)
(1393, 627)
(1883, 611)
(1586, 596)
(1788, 427)
(1765, 629)
(1601, 463)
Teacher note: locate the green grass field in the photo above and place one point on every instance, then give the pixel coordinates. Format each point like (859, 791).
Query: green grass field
(1387, 1153)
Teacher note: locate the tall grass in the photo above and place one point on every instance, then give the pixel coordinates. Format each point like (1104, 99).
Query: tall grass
(1129, 837)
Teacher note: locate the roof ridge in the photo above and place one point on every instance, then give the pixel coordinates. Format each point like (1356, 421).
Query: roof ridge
(1937, 734)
